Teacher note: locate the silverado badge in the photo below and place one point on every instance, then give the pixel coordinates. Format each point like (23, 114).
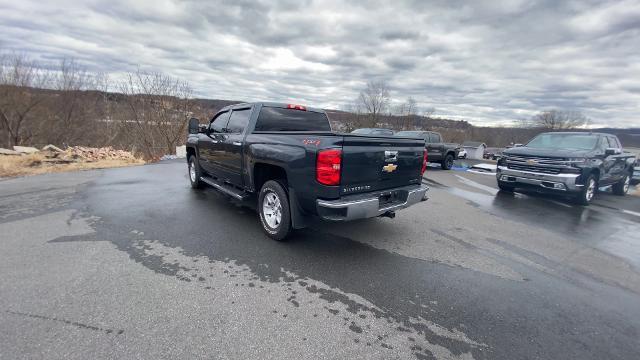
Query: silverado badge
(390, 168)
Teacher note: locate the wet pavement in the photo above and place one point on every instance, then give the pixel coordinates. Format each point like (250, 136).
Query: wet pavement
(133, 263)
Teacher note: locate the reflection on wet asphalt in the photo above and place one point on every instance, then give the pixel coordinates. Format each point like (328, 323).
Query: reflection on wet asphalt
(188, 273)
(602, 226)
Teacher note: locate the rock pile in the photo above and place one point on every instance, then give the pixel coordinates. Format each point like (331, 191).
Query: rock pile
(104, 153)
(53, 154)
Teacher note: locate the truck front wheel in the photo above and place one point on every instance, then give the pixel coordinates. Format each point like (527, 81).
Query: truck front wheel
(273, 208)
(585, 196)
(506, 187)
(194, 173)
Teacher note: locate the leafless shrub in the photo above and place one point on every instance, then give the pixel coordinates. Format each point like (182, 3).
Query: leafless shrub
(157, 108)
(559, 120)
(373, 101)
(18, 104)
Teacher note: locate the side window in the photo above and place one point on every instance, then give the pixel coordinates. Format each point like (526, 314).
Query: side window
(609, 143)
(219, 122)
(238, 121)
(435, 138)
(614, 142)
(604, 143)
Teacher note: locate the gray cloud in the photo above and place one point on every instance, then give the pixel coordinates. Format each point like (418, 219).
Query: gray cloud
(489, 62)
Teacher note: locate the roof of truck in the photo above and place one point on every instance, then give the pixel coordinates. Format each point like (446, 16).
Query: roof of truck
(577, 133)
(270, 104)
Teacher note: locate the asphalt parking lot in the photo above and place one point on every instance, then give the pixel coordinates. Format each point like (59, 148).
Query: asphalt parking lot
(132, 263)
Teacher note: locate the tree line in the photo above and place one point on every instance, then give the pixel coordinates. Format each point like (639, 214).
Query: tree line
(374, 108)
(147, 112)
(64, 105)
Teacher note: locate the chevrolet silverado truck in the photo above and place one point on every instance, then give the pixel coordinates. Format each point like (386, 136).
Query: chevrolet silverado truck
(439, 152)
(285, 161)
(570, 163)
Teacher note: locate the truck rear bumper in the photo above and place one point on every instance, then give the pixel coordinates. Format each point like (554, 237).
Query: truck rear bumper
(557, 182)
(373, 204)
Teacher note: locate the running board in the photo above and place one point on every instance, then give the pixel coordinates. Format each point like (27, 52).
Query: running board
(236, 194)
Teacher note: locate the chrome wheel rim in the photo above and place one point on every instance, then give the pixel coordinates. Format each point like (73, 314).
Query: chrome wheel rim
(591, 189)
(625, 187)
(192, 171)
(272, 210)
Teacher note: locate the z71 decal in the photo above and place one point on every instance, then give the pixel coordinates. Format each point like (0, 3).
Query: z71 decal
(314, 142)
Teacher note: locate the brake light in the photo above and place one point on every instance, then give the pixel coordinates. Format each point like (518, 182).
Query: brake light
(424, 162)
(328, 166)
(296, 107)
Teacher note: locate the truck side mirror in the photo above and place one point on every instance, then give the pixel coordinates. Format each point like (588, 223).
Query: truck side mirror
(194, 125)
(610, 151)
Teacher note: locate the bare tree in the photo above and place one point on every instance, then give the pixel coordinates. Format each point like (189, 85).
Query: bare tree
(374, 101)
(20, 79)
(156, 112)
(71, 116)
(559, 120)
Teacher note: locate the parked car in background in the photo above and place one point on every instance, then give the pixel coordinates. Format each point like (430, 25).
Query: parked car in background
(492, 153)
(439, 151)
(635, 178)
(572, 163)
(285, 161)
(373, 131)
(462, 154)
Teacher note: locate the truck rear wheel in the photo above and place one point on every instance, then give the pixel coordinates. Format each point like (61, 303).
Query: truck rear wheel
(447, 162)
(273, 209)
(585, 196)
(194, 173)
(622, 187)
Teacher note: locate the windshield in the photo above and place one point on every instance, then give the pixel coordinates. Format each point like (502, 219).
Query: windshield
(564, 141)
(362, 131)
(373, 131)
(416, 134)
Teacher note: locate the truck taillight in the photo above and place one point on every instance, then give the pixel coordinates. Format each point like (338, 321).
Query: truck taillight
(424, 162)
(328, 166)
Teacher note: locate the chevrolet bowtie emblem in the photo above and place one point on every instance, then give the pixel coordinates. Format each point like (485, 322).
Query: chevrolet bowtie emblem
(390, 168)
(531, 162)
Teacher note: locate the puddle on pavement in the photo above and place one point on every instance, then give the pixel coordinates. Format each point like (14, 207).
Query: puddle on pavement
(587, 225)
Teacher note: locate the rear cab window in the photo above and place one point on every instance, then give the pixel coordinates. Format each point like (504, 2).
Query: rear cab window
(282, 119)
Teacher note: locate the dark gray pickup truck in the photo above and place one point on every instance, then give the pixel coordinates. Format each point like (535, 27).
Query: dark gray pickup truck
(285, 161)
(439, 151)
(574, 163)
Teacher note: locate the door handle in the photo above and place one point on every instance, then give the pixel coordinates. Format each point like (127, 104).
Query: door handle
(237, 143)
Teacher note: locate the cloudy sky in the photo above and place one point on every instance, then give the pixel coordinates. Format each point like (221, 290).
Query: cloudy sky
(489, 62)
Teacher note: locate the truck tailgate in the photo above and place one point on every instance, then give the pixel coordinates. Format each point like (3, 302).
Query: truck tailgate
(378, 163)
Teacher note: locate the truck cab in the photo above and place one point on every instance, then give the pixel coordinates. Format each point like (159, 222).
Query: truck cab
(439, 151)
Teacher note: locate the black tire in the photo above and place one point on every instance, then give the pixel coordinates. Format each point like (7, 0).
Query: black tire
(622, 187)
(277, 230)
(194, 177)
(586, 195)
(506, 187)
(447, 162)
